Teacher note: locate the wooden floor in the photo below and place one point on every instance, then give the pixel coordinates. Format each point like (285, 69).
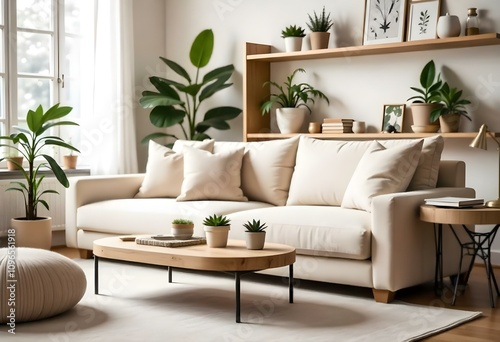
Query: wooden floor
(474, 298)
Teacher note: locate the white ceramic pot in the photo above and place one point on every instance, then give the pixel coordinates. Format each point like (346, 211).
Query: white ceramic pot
(33, 233)
(448, 26)
(182, 231)
(255, 240)
(216, 236)
(358, 127)
(293, 44)
(290, 120)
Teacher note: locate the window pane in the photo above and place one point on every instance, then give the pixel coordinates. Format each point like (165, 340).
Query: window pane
(35, 14)
(32, 92)
(2, 98)
(72, 16)
(2, 65)
(34, 53)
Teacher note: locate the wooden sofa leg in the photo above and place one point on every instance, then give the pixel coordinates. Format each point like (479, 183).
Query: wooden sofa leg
(86, 254)
(383, 296)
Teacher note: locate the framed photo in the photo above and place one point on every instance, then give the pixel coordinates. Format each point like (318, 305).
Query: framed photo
(384, 21)
(392, 121)
(422, 19)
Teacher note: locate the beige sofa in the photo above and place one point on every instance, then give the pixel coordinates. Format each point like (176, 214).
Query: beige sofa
(351, 208)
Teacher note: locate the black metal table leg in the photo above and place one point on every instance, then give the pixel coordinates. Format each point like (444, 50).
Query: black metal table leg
(238, 308)
(290, 283)
(96, 274)
(170, 274)
(438, 272)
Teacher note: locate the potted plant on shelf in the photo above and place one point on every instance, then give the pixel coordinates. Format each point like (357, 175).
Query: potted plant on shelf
(216, 229)
(255, 234)
(32, 230)
(176, 103)
(70, 160)
(293, 100)
(14, 160)
(293, 36)
(182, 229)
(427, 99)
(319, 26)
(453, 108)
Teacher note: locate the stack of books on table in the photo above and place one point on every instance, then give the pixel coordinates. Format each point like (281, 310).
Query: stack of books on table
(454, 202)
(336, 125)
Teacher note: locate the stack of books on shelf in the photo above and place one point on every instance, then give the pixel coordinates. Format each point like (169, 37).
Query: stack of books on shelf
(337, 125)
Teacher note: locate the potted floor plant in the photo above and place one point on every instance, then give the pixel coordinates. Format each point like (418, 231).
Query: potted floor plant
(319, 26)
(33, 230)
(293, 99)
(216, 229)
(182, 229)
(293, 36)
(427, 98)
(453, 108)
(255, 234)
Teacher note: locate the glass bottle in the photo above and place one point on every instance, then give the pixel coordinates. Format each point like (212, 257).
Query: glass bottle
(472, 25)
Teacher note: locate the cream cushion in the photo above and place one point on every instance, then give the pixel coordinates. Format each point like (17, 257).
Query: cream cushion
(207, 144)
(323, 170)
(212, 176)
(267, 168)
(47, 284)
(381, 171)
(165, 169)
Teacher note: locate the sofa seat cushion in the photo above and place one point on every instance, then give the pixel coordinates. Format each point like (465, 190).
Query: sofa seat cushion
(313, 230)
(152, 215)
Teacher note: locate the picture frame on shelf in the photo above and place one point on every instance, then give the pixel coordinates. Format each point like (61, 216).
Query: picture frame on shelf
(384, 21)
(392, 118)
(422, 19)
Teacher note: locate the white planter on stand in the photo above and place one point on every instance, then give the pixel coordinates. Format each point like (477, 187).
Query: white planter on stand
(290, 120)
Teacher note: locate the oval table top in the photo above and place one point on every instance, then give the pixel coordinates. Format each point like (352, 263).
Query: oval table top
(472, 215)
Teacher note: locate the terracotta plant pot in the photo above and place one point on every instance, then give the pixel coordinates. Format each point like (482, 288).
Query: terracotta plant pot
(69, 162)
(421, 113)
(33, 233)
(182, 231)
(11, 166)
(217, 236)
(450, 123)
(319, 40)
(255, 240)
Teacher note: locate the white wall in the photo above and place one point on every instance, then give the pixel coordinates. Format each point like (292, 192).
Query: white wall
(357, 87)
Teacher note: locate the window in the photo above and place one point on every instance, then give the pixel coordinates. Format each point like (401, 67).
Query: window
(40, 58)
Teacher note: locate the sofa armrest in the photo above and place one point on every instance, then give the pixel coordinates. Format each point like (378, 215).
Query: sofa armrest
(89, 189)
(403, 247)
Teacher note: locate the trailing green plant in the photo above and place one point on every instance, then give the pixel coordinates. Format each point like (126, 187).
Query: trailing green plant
(293, 31)
(30, 143)
(431, 84)
(292, 94)
(216, 220)
(254, 226)
(321, 23)
(181, 221)
(177, 103)
(451, 99)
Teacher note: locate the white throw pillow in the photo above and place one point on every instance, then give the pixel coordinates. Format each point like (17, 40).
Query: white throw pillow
(165, 170)
(381, 171)
(210, 176)
(207, 144)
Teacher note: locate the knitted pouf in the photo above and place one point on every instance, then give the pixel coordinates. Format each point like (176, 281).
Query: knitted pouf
(37, 284)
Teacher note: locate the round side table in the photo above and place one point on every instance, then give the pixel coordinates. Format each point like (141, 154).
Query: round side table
(479, 244)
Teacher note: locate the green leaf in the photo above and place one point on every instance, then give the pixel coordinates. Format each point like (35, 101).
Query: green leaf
(222, 113)
(62, 144)
(34, 119)
(55, 112)
(56, 169)
(157, 135)
(152, 100)
(57, 123)
(177, 69)
(428, 74)
(164, 86)
(213, 88)
(166, 116)
(222, 72)
(202, 48)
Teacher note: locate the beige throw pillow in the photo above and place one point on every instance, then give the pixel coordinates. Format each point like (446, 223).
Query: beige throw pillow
(210, 176)
(165, 170)
(381, 171)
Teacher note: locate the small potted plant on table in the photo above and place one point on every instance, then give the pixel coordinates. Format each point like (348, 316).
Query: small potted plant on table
(319, 25)
(216, 230)
(255, 234)
(293, 36)
(182, 229)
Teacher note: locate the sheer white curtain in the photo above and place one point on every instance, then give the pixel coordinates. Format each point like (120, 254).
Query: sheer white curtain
(108, 132)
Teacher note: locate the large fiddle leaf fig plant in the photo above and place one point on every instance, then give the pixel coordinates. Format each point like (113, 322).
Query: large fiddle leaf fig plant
(176, 103)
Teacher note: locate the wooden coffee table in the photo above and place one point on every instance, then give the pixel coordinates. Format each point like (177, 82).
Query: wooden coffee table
(234, 258)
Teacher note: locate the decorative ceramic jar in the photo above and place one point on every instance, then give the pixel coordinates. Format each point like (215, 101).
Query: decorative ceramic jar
(358, 127)
(448, 26)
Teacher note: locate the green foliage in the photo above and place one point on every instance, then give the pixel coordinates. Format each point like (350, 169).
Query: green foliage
(255, 226)
(292, 95)
(293, 31)
(29, 143)
(452, 103)
(429, 93)
(177, 103)
(216, 220)
(321, 23)
(181, 221)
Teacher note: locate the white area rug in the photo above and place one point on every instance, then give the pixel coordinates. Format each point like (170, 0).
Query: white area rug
(138, 304)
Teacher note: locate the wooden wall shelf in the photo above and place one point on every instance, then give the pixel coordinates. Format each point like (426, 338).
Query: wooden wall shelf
(364, 136)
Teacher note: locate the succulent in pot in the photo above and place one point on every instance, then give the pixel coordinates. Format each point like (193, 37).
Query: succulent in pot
(182, 229)
(319, 26)
(293, 36)
(255, 234)
(216, 229)
(453, 108)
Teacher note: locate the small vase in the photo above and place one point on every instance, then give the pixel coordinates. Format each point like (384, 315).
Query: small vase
(358, 127)
(314, 127)
(216, 236)
(290, 120)
(448, 26)
(293, 44)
